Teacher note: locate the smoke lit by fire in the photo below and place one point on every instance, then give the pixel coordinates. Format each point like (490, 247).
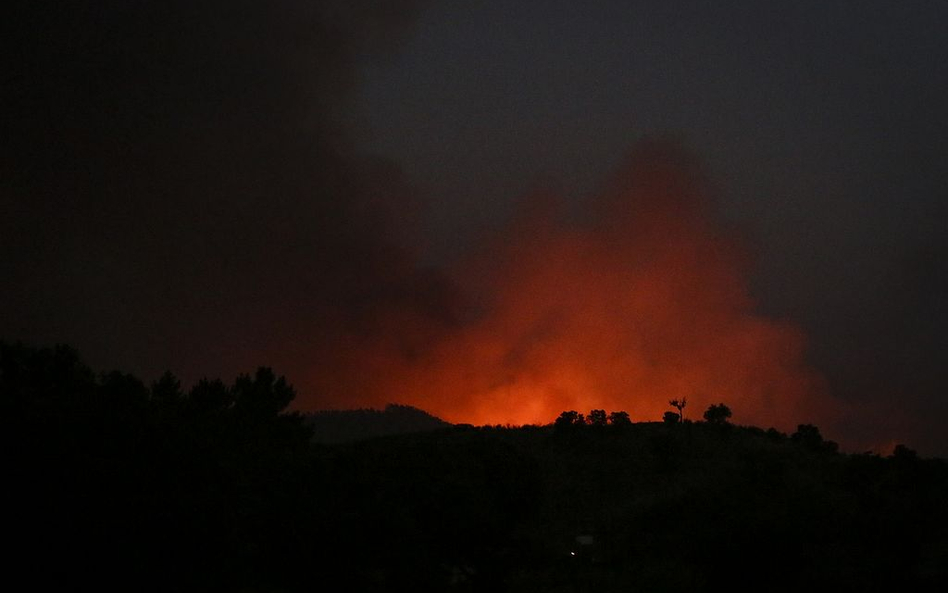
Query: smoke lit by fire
(638, 300)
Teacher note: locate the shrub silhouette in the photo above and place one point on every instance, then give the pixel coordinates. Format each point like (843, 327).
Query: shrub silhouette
(717, 414)
(904, 454)
(809, 436)
(619, 418)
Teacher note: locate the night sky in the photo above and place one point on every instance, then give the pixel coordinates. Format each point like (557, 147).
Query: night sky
(492, 210)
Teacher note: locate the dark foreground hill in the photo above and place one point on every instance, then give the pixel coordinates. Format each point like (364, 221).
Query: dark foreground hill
(343, 426)
(115, 485)
(648, 507)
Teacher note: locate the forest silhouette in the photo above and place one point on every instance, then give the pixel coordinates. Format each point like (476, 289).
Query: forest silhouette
(115, 484)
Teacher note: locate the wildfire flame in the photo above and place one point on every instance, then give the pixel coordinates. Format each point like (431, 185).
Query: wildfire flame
(643, 301)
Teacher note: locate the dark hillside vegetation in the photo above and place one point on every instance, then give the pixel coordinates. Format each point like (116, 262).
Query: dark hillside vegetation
(115, 484)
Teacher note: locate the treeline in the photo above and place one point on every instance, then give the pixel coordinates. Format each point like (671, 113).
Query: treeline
(717, 415)
(115, 484)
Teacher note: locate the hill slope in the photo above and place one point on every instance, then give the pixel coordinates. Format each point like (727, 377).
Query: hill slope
(340, 426)
(115, 484)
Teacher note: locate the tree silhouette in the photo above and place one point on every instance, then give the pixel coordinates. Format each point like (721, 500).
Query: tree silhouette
(166, 389)
(809, 436)
(569, 419)
(619, 418)
(263, 395)
(209, 396)
(670, 418)
(29, 375)
(717, 414)
(116, 386)
(904, 454)
(680, 405)
(597, 418)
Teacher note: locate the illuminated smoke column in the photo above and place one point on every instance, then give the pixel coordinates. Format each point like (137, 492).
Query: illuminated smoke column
(638, 299)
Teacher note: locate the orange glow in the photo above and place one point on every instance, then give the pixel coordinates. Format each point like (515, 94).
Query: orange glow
(644, 302)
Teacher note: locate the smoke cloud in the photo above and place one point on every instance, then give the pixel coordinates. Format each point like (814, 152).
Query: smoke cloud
(177, 184)
(638, 300)
(179, 192)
